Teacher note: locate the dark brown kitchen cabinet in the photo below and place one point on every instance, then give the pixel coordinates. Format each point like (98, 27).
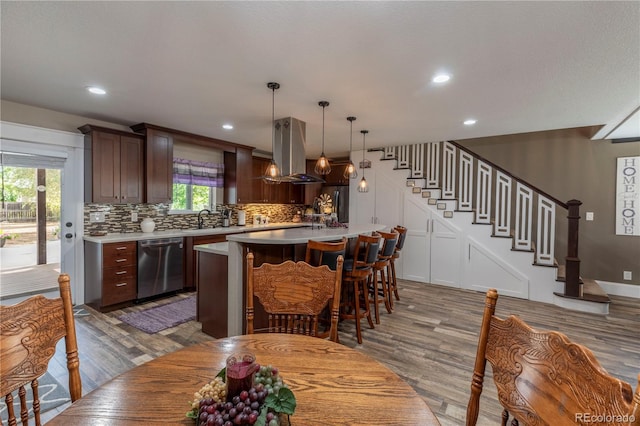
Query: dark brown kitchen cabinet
(281, 193)
(336, 177)
(238, 182)
(158, 157)
(110, 274)
(113, 166)
(190, 256)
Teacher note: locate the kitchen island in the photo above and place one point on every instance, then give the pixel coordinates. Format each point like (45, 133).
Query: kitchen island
(272, 247)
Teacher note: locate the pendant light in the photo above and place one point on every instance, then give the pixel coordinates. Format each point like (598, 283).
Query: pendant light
(322, 165)
(272, 174)
(363, 186)
(350, 171)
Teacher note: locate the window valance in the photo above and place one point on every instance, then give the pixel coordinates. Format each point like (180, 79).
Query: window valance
(198, 173)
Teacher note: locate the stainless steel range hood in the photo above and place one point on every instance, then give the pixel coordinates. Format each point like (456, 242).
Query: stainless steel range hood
(290, 151)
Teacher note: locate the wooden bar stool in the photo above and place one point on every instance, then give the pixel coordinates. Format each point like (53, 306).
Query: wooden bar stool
(325, 253)
(393, 285)
(382, 269)
(320, 253)
(356, 274)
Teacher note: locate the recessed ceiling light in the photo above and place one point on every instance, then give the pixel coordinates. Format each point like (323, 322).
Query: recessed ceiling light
(97, 90)
(469, 122)
(441, 78)
(227, 126)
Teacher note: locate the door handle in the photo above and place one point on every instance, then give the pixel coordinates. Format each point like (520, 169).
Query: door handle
(68, 235)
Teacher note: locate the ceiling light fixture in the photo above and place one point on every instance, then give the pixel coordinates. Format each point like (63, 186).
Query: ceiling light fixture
(441, 78)
(363, 186)
(469, 122)
(272, 174)
(350, 171)
(322, 165)
(227, 126)
(97, 90)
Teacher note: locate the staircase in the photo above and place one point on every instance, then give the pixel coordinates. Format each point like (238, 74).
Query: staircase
(506, 227)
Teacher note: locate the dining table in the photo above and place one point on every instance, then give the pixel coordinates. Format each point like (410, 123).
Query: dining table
(332, 384)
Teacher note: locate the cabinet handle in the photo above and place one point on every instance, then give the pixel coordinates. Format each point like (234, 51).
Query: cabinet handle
(121, 260)
(121, 248)
(121, 284)
(121, 272)
(124, 197)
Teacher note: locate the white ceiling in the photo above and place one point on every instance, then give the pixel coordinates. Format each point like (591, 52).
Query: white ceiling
(516, 66)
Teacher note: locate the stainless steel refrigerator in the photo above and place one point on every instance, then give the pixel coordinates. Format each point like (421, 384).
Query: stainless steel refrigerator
(340, 200)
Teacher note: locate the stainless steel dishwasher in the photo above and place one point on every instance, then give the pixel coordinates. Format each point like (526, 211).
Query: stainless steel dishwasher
(160, 266)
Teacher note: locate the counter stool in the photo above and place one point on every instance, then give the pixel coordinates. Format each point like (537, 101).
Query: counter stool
(325, 253)
(382, 269)
(355, 277)
(393, 285)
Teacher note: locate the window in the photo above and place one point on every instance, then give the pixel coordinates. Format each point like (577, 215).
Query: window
(196, 184)
(193, 197)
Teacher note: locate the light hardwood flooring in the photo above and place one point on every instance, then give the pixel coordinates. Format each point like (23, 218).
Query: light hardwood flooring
(429, 340)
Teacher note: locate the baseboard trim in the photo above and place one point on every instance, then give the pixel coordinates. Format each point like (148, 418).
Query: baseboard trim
(620, 289)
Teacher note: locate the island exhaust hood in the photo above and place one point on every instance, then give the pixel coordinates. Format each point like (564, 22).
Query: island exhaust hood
(290, 152)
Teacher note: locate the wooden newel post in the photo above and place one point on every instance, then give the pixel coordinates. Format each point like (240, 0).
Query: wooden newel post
(572, 261)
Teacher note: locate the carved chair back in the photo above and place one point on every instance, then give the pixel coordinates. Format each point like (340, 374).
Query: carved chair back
(294, 294)
(542, 378)
(28, 336)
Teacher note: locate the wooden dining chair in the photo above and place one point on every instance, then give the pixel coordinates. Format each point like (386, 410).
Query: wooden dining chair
(28, 336)
(402, 236)
(542, 378)
(293, 294)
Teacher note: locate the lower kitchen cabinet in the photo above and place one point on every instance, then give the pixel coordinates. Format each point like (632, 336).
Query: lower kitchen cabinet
(212, 277)
(110, 274)
(191, 258)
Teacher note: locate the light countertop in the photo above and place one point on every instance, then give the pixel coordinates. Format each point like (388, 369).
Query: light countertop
(213, 248)
(137, 236)
(302, 235)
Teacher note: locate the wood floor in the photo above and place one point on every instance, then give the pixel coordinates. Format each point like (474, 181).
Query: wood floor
(430, 340)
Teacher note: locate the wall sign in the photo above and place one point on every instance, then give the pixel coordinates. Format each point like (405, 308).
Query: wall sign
(628, 196)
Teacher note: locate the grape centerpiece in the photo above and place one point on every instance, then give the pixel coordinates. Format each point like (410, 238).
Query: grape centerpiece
(265, 400)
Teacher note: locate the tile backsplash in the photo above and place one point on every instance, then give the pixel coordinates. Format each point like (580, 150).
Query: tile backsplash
(117, 217)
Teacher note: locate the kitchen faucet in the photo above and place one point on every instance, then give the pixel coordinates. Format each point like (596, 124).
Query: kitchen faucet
(200, 219)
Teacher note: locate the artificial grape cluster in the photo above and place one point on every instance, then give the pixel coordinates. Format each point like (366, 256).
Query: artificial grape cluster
(268, 376)
(243, 409)
(216, 390)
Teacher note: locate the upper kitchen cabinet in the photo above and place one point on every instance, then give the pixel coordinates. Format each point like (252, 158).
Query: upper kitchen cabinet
(158, 155)
(336, 177)
(113, 165)
(237, 176)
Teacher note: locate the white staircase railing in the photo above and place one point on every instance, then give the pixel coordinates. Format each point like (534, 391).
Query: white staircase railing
(459, 174)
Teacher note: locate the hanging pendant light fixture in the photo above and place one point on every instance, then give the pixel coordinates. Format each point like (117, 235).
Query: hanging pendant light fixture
(363, 186)
(272, 174)
(322, 165)
(350, 171)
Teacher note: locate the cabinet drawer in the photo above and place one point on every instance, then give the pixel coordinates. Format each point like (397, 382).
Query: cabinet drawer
(119, 254)
(119, 274)
(118, 291)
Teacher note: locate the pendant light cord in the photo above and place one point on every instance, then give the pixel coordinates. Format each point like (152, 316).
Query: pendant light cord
(323, 129)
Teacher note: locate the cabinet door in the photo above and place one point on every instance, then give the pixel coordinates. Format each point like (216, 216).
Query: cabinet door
(259, 188)
(105, 148)
(159, 171)
(388, 202)
(243, 178)
(131, 169)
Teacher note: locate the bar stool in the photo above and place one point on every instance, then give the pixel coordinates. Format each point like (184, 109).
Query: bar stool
(325, 253)
(382, 268)
(355, 277)
(393, 285)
